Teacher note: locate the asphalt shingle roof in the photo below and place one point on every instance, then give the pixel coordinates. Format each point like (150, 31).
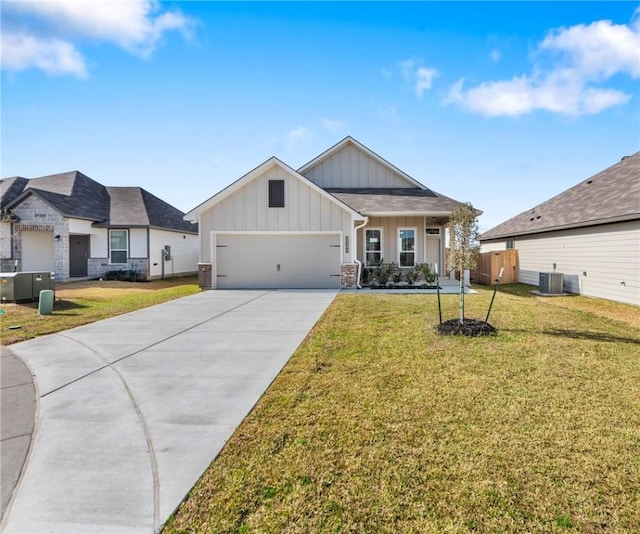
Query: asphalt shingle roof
(10, 189)
(388, 200)
(611, 195)
(75, 195)
(134, 206)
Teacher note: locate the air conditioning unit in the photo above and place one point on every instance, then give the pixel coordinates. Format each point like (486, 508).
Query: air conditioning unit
(551, 283)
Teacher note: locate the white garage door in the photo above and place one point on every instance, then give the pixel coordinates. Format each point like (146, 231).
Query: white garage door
(37, 251)
(252, 261)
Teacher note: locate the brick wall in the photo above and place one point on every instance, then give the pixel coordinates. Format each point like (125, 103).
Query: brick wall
(205, 272)
(348, 275)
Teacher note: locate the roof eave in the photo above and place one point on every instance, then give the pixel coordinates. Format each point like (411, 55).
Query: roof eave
(569, 226)
(194, 214)
(36, 192)
(374, 213)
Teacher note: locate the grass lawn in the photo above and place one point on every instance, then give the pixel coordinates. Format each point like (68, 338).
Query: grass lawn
(78, 303)
(378, 424)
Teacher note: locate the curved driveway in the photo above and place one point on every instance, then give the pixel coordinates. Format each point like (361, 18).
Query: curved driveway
(133, 409)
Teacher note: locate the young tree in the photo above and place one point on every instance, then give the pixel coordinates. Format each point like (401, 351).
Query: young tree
(463, 244)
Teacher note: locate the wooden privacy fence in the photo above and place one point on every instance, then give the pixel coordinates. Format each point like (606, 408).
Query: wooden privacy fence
(489, 264)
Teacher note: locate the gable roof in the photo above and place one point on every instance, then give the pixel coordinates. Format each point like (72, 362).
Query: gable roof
(396, 201)
(75, 195)
(253, 174)
(350, 140)
(610, 196)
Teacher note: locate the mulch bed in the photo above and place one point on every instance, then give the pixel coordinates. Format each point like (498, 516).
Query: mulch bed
(470, 327)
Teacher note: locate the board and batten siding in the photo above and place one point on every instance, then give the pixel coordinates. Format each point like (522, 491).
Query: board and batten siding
(597, 261)
(390, 238)
(351, 167)
(247, 210)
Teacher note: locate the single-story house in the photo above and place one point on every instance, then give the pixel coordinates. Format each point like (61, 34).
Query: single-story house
(72, 225)
(318, 226)
(590, 233)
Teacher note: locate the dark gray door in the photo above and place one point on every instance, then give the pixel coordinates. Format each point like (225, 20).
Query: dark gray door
(78, 255)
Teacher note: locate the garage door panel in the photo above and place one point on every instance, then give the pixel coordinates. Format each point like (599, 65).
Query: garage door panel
(276, 261)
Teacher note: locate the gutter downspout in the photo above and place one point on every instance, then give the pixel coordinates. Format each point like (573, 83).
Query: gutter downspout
(355, 250)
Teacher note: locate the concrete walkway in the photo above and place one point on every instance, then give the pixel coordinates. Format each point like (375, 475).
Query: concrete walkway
(133, 409)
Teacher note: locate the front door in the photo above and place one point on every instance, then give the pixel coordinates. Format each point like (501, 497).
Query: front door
(78, 255)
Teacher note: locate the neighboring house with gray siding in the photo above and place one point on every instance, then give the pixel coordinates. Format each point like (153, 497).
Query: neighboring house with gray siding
(590, 232)
(317, 226)
(76, 227)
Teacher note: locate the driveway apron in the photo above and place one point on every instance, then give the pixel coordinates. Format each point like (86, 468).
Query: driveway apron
(133, 409)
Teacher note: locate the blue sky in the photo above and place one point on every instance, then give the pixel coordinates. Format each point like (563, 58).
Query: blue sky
(497, 103)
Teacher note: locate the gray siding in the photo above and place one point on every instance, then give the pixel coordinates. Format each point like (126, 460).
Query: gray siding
(350, 167)
(247, 210)
(599, 261)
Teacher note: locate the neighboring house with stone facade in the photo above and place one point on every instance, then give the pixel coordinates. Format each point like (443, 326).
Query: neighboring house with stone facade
(318, 226)
(78, 228)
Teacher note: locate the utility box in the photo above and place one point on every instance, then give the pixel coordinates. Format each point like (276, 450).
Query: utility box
(16, 287)
(43, 280)
(551, 283)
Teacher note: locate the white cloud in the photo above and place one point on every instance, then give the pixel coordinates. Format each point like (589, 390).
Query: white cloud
(136, 26)
(419, 76)
(599, 50)
(424, 77)
(333, 125)
(53, 56)
(495, 55)
(522, 95)
(584, 55)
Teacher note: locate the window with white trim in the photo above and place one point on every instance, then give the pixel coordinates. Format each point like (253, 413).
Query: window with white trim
(406, 247)
(118, 246)
(373, 246)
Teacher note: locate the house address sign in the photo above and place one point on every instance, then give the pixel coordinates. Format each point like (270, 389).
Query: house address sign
(33, 227)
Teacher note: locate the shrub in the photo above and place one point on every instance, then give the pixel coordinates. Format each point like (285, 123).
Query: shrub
(127, 275)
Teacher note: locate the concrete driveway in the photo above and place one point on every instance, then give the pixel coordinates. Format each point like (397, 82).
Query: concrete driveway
(132, 410)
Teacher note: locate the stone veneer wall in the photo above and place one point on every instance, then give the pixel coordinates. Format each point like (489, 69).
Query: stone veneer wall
(98, 267)
(205, 278)
(35, 212)
(348, 275)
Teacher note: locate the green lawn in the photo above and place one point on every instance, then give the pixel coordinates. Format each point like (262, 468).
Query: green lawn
(378, 424)
(78, 303)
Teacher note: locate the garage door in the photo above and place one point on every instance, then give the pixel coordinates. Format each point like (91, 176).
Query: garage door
(37, 251)
(278, 261)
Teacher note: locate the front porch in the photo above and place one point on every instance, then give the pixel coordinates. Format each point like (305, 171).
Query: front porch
(447, 287)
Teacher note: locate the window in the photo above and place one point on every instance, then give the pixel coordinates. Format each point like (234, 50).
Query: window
(511, 243)
(276, 193)
(407, 248)
(373, 246)
(118, 246)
